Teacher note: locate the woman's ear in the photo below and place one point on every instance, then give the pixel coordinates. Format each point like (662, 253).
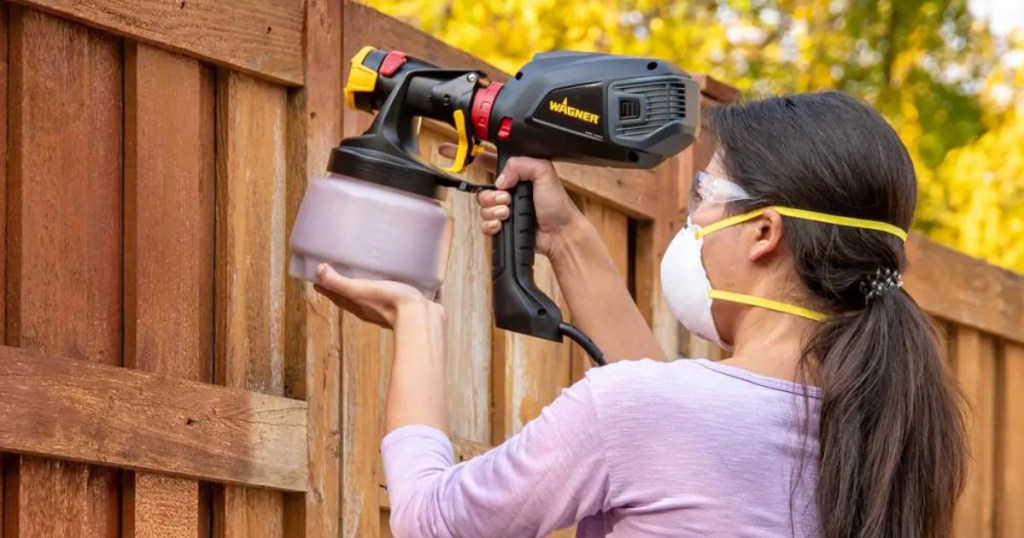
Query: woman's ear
(767, 235)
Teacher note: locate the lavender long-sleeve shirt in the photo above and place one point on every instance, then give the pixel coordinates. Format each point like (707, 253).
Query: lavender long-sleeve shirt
(636, 448)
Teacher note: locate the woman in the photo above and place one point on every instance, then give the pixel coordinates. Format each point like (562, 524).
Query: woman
(835, 415)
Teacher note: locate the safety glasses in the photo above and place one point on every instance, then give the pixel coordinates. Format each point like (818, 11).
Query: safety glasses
(708, 189)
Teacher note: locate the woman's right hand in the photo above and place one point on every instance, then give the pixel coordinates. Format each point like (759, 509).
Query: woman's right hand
(556, 213)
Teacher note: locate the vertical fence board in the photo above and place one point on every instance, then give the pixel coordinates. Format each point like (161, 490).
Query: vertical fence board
(1010, 495)
(976, 370)
(3, 211)
(3, 187)
(251, 118)
(361, 358)
(169, 207)
(613, 227)
(64, 240)
(160, 506)
(313, 330)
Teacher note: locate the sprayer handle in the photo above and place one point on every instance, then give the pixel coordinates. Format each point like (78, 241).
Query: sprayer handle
(518, 305)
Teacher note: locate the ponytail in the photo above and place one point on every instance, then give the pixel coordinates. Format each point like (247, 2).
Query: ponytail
(891, 432)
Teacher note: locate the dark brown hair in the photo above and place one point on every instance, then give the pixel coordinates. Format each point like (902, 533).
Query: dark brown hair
(892, 438)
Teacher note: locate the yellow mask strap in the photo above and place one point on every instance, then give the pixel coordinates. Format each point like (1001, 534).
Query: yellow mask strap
(767, 303)
(807, 215)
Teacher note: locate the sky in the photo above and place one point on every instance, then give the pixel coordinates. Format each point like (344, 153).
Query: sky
(1003, 14)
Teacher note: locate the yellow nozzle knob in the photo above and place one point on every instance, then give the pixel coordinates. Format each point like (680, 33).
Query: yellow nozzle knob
(361, 79)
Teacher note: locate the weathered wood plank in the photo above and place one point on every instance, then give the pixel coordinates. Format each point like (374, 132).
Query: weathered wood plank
(160, 506)
(3, 206)
(260, 37)
(312, 326)
(633, 192)
(4, 33)
(251, 194)
(965, 290)
(976, 370)
(168, 252)
(1010, 493)
(361, 359)
(64, 241)
(613, 227)
(108, 415)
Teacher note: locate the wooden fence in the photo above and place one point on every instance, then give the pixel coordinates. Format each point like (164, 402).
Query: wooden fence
(162, 376)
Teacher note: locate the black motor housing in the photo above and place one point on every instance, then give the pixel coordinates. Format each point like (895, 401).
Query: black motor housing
(597, 109)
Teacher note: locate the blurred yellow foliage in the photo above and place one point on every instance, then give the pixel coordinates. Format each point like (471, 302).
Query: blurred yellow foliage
(952, 89)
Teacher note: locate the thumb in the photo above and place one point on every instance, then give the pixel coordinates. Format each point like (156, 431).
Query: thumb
(331, 280)
(525, 169)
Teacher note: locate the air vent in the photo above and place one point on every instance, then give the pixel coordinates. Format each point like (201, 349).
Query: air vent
(666, 102)
(629, 109)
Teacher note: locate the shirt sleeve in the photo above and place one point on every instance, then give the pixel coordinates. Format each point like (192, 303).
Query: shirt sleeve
(549, 476)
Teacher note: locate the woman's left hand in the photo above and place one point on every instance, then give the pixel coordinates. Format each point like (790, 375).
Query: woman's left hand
(373, 301)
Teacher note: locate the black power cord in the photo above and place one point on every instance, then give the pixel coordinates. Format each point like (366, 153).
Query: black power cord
(584, 341)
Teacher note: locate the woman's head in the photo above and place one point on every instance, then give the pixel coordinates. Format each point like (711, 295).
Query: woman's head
(891, 433)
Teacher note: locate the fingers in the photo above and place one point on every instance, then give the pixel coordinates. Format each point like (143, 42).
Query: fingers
(491, 227)
(493, 210)
(493, 198)
(499, 212)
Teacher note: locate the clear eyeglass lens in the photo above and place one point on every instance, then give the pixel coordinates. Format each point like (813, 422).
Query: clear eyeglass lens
(707, 189)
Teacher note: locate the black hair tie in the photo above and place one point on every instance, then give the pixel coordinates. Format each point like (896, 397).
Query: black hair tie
(882, 281)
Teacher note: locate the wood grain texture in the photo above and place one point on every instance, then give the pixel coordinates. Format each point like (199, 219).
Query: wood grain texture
(4, 33)
(3, 209)
(3, 214)
(64, 241)
(312, 326)
(613, 227)
(251, 211)
(1010, 491)
(158, 506)
(169, 207)
(361, 359)
(94, 413)
(965, 290)
(261, 37)
(976, 370)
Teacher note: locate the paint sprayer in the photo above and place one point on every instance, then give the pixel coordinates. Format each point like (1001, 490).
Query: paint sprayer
(377, 213)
